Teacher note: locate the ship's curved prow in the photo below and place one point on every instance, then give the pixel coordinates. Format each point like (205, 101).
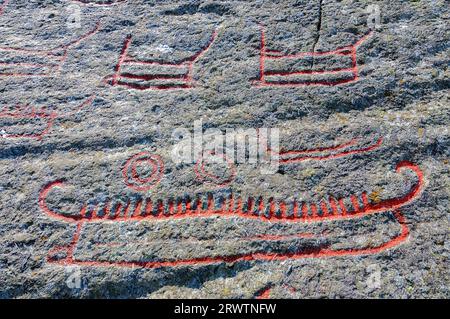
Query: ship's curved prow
(137, 209)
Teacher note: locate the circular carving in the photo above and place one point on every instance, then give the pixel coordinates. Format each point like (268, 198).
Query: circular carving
(143, 171)
(215, 169)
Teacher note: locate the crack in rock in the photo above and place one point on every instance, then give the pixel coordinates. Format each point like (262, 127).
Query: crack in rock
(318, 29)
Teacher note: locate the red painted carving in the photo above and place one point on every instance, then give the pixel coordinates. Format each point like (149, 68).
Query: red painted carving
(3, 6)
(263, 210)
(177, 75)
(264, 293)
(40, 121)
(297, 78)
(351, 147)
(100, 2)
(136, 175)
(207, 177)
(271, 211)
(24, 113)
(320, 154)
(50, 61)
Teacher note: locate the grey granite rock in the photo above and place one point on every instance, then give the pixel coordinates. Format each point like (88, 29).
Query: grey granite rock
(93, 204)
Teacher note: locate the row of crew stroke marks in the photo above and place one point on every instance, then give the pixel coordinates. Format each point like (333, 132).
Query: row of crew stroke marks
(137, 208)
(16, 62)
(335, 211)
(41, 119)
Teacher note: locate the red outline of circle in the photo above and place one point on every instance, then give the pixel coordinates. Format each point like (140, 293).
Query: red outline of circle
(202, 174)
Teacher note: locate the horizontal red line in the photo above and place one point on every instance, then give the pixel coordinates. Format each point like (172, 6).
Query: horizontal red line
(307, 83)
(154, 87)
(26, 116)
(25, 64)
(307, 54)
(336, 155)
(22, 74)
(30, 52)
(319, 252)
(285, 73)
(105, 4)
(319, 150)
(148, 77)
(140, 62)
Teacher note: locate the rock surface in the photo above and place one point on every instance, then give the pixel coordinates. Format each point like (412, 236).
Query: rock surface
(93, 91)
